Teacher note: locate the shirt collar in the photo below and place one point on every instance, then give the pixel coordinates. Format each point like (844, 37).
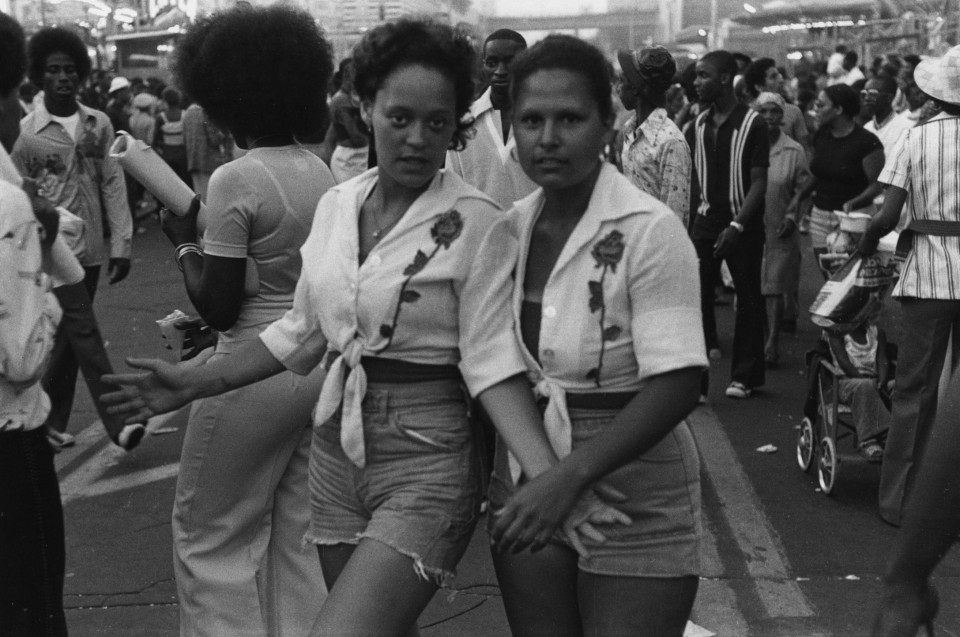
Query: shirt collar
(43, 117)
(653, 123)
(481, 105)
(889, 118)
(443, 193)
(608, 202)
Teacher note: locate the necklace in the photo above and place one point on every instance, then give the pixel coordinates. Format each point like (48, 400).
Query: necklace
(382, 230)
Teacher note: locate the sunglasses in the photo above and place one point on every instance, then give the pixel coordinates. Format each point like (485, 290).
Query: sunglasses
(869, 94)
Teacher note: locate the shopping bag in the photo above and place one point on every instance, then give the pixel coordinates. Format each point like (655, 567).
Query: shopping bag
(852, 292)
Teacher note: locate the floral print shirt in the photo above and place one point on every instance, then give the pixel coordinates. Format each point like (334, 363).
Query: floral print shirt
(656, 158)
(621, 304)
(79, 176)
(435, 290)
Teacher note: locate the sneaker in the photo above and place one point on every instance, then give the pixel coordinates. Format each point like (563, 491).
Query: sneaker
(738, 390)
(131, 436)
(871, 451)
(59, 440)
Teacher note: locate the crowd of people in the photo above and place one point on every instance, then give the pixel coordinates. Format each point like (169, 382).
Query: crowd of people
(452, 273)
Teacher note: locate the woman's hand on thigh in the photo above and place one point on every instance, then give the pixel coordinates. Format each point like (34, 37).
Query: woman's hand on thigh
(588, 513)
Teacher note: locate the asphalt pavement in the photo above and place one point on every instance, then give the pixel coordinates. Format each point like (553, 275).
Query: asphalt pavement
(780, 557)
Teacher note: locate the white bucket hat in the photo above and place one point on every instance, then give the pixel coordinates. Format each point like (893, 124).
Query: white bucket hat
(118, 83)
(940, 77)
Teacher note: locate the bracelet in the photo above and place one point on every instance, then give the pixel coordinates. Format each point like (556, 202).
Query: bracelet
(736, 226)
(186, 248)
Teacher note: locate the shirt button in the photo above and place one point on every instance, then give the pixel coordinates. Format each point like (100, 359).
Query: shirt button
(549, 311)
(375, 260)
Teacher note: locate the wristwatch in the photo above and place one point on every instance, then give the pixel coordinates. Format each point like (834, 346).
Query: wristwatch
(737, 226)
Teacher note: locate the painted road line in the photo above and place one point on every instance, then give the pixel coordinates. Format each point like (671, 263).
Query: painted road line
(742, 511)
(78, 482)
(716, 606)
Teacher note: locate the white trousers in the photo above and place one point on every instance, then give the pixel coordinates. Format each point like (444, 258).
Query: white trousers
(241, 510)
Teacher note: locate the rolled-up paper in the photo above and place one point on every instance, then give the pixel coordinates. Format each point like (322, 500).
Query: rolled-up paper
(146, 166)
(149, 168)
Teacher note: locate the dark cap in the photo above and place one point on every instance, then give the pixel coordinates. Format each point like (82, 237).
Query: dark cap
(653, 67)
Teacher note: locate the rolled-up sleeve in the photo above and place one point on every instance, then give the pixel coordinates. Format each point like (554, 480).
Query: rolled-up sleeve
(113, 192)
(666, 322)
(296, 339)
(488, 347)
(675, 175)
(896, 170)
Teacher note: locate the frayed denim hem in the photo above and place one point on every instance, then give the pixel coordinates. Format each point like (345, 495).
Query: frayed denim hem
(436, 576)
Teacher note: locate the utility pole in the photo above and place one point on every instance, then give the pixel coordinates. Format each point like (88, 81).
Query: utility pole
(714, 25)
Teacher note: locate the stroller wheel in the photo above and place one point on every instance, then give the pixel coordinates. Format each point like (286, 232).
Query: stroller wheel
(806, 441)
(827, 465)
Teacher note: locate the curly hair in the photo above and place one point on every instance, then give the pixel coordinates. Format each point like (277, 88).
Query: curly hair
(13, 54)
(418, 41)
(567, 53)
(756, 74)
(845, 98)
(257, 70)
(46, 42)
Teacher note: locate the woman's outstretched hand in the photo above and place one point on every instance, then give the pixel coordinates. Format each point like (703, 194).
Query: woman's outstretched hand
(545, 504)
(162, 389)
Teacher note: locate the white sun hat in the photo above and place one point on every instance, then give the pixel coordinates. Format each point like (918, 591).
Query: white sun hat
(940, 77)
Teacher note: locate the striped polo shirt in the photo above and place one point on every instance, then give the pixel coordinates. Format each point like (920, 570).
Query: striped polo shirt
(723, 157)
(926, 163)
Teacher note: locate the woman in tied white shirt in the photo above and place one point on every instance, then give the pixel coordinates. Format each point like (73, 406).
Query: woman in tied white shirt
(607, 304)
(406, 281)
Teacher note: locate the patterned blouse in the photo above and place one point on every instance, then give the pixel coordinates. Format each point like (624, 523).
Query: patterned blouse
(656, 159)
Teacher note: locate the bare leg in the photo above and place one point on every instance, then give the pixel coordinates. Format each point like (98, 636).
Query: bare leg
(633, 606)
(540, 592)
(373, 591)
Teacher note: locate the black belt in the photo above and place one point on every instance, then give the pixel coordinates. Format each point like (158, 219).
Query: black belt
(393, 370)
(935, 227)
(603, 400)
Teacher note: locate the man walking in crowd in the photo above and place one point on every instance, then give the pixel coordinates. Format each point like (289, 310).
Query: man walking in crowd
(489, 162)
(117, 107)
(64, 146)
(877, 99)
(655, 156)
(731, 155)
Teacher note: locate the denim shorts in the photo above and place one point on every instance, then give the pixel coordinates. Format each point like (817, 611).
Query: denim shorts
(663, 499)
(420, 490)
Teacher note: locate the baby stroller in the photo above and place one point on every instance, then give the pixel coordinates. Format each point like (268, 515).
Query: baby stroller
(855, 288)
(827, 420)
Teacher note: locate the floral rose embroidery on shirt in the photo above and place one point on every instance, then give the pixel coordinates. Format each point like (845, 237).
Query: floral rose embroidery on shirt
(444, 232)
(607, 253)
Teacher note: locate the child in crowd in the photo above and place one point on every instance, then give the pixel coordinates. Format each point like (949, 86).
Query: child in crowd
(860, 353)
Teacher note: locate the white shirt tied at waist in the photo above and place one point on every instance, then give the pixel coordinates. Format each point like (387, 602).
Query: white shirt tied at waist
(349, 393)
(556, 422)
